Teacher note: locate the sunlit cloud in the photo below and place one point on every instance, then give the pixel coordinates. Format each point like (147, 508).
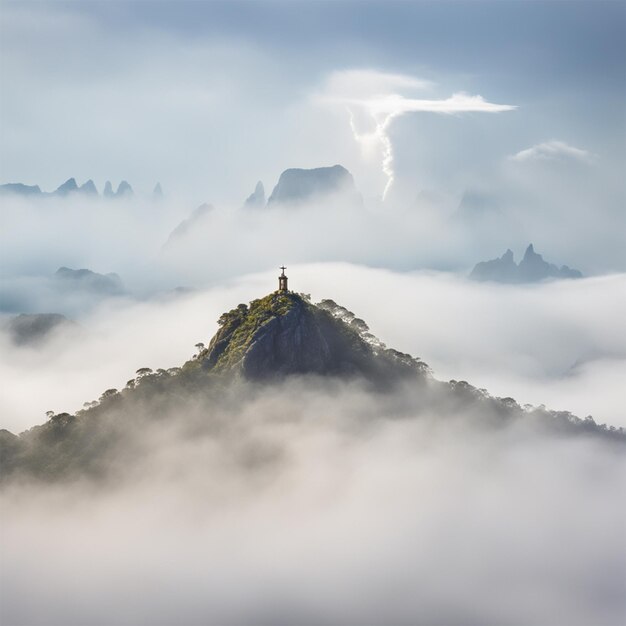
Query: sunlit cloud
(377, 95)
(552, 151)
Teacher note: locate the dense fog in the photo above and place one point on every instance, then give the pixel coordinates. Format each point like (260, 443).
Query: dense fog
(319, 502)
(551, 343)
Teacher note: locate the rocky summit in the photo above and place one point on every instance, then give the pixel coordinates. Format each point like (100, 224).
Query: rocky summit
(284, 333)
(296, 186)
(275, 341)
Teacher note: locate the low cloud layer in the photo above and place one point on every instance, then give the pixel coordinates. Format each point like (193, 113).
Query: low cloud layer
(559, 344)
(316, 503)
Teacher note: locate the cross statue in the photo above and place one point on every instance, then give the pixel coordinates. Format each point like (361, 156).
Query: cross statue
(282, 267)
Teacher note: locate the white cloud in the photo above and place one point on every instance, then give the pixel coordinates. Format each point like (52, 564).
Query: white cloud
(552, 151)
(558, 343)
(375, 94)
(367, 82)
(310, 503)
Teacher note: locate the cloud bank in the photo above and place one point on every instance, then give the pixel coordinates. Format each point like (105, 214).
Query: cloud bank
(560, 344)
(317, 503)
(371, 92)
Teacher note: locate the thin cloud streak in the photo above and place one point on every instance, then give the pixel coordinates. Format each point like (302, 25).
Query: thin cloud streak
(552, 151)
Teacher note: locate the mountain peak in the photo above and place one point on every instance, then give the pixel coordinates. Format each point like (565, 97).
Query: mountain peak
(257, 197)
(67, 187)
(124, 189)
(530, 252)
(283, 334)
(296, 186)
(532, 268)
(88, 188)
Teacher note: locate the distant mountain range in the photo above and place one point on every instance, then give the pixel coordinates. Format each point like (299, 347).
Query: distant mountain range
(71, 188)
(532, 268)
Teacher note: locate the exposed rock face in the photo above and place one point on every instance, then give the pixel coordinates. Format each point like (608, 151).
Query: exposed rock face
(67, 187)
(296, 186)
(284, 334)
(20, 189)
(33, 329)
(108, 190)
(532, 268)
(110, 284)
(257, 197)
(276, 336)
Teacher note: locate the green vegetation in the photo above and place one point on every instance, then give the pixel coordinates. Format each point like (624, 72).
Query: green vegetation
(273, 337)
(242, 323)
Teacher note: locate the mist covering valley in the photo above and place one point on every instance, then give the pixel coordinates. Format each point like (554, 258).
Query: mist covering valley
(180, 443)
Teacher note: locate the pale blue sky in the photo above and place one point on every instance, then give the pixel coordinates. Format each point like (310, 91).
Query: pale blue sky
(208, 97)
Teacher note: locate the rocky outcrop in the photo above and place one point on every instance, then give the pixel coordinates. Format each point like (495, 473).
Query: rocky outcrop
(108, 190)
(284, 334)
(532, 268)
(297, 186)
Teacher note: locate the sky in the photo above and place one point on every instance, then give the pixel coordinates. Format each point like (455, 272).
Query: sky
(469, 128)
(209, 97)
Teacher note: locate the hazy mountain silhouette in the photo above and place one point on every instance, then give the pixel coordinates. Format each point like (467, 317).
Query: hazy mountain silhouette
(297, 186)
(88, 188)
(31, 329)
(257, 197)
(69, 187)
(66, 188)
(532, 268)
(124, 189)
(195, 220)
(20, 189)
(109, 284)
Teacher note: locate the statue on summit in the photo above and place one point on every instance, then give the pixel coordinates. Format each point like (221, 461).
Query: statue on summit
(282, 280)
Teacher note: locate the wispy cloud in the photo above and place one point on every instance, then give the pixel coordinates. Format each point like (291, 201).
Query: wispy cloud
(553, 151)
(376, 94)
